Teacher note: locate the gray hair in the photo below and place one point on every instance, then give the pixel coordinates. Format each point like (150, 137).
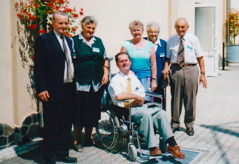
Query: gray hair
(153, 25)
(136, 23)
(59, 13)
(89, 19)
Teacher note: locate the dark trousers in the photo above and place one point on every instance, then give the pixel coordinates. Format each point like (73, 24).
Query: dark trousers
(184, 87)
(57, 117)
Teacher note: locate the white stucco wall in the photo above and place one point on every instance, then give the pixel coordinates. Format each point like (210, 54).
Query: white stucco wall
(6, 90)
(114, 16)
(15, 101)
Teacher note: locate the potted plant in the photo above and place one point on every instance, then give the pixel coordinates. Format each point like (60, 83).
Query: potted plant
(232, 49)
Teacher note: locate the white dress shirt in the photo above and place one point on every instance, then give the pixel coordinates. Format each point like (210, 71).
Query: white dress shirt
(69, 55)
(118, 85)
(192, 48)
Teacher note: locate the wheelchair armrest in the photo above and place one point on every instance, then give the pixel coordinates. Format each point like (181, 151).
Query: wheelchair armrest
(153, 94)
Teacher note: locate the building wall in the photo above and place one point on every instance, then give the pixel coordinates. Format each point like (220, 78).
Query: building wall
(6, 65)
(114, 16)
(15, 101)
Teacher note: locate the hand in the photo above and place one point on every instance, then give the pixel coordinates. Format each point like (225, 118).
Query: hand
(203, 81)
(105, 79)
(153, 85)
(44, 95)
(165, 73)
(139, 101)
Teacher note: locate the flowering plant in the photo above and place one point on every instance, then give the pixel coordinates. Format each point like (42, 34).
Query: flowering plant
(33, 12)
(233, 25)
(35, 19)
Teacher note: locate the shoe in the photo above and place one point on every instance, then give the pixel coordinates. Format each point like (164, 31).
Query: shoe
(175, 151)
(78, 148)
(174, 129)
(155, 152)
(66, 159)
(190, 131)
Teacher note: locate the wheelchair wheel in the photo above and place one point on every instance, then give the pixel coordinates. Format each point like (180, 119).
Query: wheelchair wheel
(107, 131)
(132, 152)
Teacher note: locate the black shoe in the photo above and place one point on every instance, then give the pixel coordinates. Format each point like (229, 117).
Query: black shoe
(174, 129)
(190, 131)
(66, 159)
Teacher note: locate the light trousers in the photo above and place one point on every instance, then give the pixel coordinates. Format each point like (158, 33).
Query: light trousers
(148, 117)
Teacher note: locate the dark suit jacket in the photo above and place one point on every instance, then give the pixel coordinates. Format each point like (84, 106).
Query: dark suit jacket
(49, 65)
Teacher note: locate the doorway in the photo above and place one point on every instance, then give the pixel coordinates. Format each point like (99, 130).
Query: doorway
(206, 31)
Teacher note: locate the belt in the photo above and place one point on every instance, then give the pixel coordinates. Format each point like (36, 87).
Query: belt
(185, 65)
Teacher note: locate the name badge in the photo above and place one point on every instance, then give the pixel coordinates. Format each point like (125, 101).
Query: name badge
(162, 55)
(189, 47)
(95, 49)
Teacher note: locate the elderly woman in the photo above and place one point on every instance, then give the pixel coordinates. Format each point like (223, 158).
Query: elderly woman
(90, 73)
(142, 56)
(153, 30)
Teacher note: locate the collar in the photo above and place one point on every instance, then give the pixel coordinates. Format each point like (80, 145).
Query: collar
(124, 75)
(57, 35)
(184, 37)
(157, 41)
(92, 40)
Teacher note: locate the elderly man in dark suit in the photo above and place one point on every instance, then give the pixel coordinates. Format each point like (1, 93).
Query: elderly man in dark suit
(54, 75)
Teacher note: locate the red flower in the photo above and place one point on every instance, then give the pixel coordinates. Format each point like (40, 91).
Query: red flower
(21, 3)
(68, 34)
(20, 15)
(75, 15)
(32, 17)
(73, 29)
(61, 1)
(81, 11)
(32, 26)
(29, 14)
(16, 4)
(50, 4)
(35, 5)
(42, 31)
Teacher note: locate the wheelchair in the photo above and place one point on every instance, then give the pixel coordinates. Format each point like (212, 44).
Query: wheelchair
(117, 128)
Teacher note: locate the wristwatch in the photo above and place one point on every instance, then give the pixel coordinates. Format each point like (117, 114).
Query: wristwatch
(203, 73)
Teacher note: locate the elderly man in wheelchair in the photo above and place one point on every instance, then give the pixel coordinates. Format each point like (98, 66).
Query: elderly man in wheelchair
(125, 86)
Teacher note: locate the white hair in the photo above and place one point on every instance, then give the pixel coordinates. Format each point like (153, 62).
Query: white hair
(153, 24)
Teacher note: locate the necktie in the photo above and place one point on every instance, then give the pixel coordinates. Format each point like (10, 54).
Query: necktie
(129, 90)
(68, 61)
(180, 58)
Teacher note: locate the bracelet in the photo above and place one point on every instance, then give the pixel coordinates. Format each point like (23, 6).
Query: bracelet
(203, 73)
(153, 79)
(106, 67)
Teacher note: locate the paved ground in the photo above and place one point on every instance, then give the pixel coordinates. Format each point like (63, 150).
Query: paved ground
(216, 129)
